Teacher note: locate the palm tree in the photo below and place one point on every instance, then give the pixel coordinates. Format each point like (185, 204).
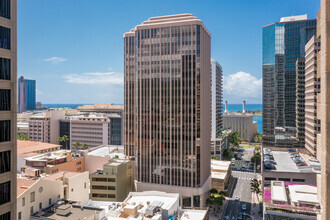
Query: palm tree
(62, 139)
(77, 145)
(84, 147)
(255, 187)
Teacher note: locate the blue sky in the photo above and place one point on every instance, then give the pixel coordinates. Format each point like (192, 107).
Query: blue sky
(74, 48)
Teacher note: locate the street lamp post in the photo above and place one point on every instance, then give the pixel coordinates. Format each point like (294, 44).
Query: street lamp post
(248, 215)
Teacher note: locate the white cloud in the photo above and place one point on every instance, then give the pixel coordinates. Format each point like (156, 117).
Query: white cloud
(242, 86)
(96, 78)
(55, 60)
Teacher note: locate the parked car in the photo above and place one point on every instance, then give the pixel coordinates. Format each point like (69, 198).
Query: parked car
(236, 198)
(313, 159)
(244, 207)
(240, 216)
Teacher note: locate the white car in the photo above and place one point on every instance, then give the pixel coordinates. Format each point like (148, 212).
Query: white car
(312, 159)
(236, 198)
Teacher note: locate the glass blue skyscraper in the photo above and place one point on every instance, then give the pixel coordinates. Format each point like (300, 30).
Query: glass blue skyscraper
(26, 94)
(283, 43)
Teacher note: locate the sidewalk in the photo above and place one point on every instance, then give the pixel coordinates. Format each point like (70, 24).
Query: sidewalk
(255, 208)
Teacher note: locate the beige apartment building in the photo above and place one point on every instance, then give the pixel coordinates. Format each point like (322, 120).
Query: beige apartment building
(323, 107)
(167, 75)
(113, 182)
(312, 89)
(8, 108)
(91, 129)
(45, 127)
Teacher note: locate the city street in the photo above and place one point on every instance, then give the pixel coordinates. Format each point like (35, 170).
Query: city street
(241, 189)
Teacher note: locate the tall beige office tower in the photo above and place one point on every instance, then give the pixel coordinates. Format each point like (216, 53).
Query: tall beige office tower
(312, 89)
(8, 111)
(323, 107)
(167, 106)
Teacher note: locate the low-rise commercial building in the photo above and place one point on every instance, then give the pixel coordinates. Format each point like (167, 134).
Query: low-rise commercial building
(113, 182)
(220, 174)
(284, 200)
(31, 148)
(54, 162)
(154, 205)
(65, 210)
(280, 166)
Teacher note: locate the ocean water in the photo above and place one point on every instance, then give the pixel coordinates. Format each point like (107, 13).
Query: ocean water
(231, 108)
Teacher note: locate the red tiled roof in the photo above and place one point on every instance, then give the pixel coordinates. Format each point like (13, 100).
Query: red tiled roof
(24, 184)
(31, 148)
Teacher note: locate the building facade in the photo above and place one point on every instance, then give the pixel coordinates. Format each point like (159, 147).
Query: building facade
(45, 127)
(312, 89)
(8, 108)
(113, 182)
(26, 94)
(300, 101)
(167, 68)
(216, 99)
(243, 124)
(323, 108)
(283, 43)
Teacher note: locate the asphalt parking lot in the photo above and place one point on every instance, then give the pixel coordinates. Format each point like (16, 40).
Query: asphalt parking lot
(243, 161)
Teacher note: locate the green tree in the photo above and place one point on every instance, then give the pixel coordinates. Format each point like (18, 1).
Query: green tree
(62, 140)
(218, 201)
(234, 139)
(258, 138)
(256, 159)
(77, 145)
(227, 154)
(84, 146)
(209, 201)
(222, 193)
(257, 148)
(255, 187)
(214, 191)
(22, 137)
(213, 157)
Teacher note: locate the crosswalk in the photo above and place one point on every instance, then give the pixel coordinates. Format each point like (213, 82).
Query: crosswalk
(245, 178)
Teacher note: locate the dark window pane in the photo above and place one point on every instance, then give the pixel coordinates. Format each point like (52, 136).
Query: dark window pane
(4, 38)
(4, 161)
(4, 99)
(4, 69)
(5, 216)
(4, 130)
(4, 192)
(5, 8)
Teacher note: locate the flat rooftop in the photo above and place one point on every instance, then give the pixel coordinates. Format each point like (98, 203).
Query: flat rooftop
(75, 213)
(56, 155)
(191, 214)
(111, 151)
(220, 165)
(284, 163)
(218, 175)
(29, 148)
(303, 194)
